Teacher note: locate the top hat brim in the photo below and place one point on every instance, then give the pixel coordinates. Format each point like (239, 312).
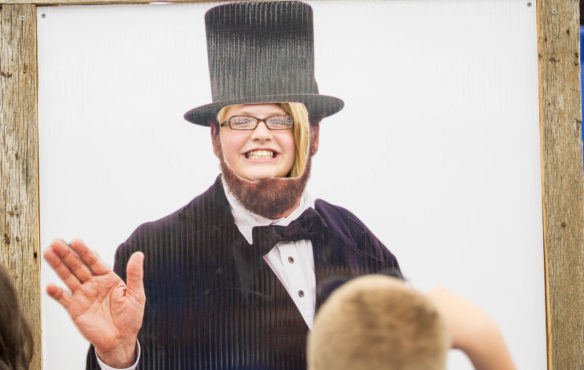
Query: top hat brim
(318, 106)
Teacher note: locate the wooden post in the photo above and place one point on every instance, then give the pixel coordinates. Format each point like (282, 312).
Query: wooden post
(19, 202)
(562, 177)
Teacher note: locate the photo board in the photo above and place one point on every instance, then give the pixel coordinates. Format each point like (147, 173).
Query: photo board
(437, 149)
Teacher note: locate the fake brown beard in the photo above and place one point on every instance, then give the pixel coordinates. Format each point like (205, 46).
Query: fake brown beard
(272, 197)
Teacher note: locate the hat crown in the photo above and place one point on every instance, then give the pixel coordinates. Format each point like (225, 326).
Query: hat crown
(260, 49)
(262, 52)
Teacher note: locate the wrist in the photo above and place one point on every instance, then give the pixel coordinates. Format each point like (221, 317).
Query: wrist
(120, 356)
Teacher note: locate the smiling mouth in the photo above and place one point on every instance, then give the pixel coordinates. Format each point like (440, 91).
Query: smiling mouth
(260, 154)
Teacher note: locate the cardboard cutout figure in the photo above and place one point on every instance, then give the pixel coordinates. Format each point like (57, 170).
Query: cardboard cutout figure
(231, 280)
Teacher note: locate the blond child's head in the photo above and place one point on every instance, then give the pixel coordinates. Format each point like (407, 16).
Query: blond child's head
(378, 322)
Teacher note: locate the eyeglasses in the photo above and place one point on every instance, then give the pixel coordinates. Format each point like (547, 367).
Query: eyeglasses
(250, 123)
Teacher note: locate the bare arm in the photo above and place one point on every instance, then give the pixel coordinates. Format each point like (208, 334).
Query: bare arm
(472, 331)
(107, 311)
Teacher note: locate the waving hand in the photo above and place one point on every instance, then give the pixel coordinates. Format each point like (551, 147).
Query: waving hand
(107, 311)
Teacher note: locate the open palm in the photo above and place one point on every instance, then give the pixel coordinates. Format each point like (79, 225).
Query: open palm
(107, 311)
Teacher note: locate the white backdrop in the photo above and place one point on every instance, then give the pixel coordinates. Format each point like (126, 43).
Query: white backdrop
(437, 149)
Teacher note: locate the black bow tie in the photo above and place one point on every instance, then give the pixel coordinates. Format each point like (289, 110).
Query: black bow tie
(308, 226)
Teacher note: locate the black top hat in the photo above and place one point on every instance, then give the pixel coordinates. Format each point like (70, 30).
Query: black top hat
(262, 52)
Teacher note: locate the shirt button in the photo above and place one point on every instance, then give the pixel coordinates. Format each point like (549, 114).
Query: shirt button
(291, 259)
(301, 293)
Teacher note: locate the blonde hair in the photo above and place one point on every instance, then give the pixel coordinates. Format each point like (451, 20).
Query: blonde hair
(300, 130)
(376, 322)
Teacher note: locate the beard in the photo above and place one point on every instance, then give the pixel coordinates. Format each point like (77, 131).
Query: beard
(271, 197)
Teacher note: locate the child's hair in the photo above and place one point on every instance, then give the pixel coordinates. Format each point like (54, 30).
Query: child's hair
(377, 322)
(16, 343)
(299, 114)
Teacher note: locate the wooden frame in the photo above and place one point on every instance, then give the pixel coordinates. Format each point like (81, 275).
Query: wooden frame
(561, 148)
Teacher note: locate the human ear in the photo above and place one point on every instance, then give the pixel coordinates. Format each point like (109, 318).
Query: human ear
(215, 139)
(314, 131)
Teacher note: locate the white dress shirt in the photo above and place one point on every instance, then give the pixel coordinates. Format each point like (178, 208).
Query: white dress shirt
(292, 263)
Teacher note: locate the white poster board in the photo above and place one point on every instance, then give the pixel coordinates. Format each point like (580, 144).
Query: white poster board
(437, 149)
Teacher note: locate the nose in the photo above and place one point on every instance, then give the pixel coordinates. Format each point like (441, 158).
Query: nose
(261, 132)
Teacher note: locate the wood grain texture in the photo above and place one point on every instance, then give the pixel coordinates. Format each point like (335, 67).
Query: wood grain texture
(562, 177)
(19, 202)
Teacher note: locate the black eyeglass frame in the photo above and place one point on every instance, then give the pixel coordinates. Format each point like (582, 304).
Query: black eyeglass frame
(265, 120)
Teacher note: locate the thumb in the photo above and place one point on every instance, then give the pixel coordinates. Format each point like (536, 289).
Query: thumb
(135, 274)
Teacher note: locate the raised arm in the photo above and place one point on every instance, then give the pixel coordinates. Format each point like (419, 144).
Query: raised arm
(472, 331)
(107, 311)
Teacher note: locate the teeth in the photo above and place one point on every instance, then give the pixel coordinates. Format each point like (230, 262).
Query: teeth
(260, 154)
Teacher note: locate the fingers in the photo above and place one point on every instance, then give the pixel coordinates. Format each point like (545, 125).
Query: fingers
(75, 264)
(59, 295)
(89, 257)
(73, 261)
(135, 274)
(53, 256)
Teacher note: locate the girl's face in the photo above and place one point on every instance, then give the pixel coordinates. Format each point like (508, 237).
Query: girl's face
(260, 153)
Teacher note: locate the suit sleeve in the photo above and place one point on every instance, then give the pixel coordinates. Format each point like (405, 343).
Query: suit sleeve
(365, 253)
(381, 260)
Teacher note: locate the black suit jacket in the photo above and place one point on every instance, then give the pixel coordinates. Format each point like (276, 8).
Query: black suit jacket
(213, 303)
